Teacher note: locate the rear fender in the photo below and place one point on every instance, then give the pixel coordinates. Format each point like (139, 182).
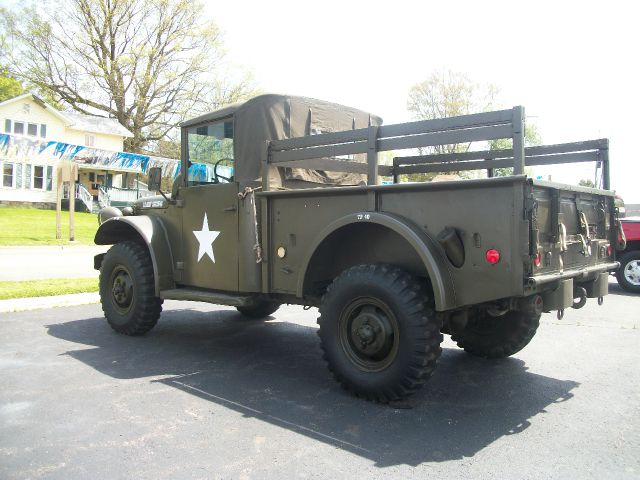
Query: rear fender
(425, 247)
(148, 230)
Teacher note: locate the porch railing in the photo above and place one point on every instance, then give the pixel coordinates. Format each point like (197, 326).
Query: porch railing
(83, 194)
(104, 199)
(125, 195)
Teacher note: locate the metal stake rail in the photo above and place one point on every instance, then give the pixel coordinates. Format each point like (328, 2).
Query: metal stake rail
(322, 152)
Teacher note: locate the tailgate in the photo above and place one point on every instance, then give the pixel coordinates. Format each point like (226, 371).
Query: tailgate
(572, 231)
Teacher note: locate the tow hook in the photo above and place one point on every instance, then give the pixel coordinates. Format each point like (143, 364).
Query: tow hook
(579, 297)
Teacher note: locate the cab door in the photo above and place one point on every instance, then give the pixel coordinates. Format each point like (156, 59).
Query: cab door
(210, 236)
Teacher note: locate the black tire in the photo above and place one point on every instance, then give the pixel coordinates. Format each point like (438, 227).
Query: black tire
(260, 309)
(628, 275)
(497, 337)
(379, 332)
(127, 291)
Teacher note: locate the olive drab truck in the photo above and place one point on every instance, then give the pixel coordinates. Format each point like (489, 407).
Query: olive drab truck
(281, 200)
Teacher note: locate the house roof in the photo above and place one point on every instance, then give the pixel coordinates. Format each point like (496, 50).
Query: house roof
(76, 120)
(40, 102)
(95, 124)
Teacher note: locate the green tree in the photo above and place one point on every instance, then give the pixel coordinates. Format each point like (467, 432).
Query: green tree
(446, 93)
(587, 183)
(531, 138)
(147, 63)
(9, 86)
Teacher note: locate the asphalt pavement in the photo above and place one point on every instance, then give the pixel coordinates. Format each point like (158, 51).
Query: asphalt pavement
(207, 394)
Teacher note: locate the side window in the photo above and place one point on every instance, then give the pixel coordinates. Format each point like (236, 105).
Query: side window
(7, 175)
(38, 177)
(210, 151)
(49, 178)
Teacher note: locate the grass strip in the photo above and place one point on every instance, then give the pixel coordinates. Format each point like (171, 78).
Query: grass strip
(47, 288)
(32, 226)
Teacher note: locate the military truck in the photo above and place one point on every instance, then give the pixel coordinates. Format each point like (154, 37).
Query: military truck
(300, 215)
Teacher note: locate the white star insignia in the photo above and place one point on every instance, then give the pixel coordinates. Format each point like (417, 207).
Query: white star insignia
(206, 238)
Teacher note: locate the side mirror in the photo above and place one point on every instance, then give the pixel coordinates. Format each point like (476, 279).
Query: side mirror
(155, 178)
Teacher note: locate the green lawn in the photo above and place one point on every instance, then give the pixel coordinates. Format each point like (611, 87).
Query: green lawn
(32, 226)
(46, 288)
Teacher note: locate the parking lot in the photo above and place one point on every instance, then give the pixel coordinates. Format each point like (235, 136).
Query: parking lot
(209, 395)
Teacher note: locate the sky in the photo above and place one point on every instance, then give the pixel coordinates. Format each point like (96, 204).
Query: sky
(574, 66)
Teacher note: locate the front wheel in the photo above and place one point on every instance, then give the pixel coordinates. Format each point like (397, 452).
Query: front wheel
(628, 275)
(127, 290)
(496, 337)
(379, 332)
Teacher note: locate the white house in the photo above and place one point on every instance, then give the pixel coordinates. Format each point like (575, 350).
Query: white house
(33, 138)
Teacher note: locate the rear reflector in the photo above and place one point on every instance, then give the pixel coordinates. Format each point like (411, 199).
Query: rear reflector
(492, 256)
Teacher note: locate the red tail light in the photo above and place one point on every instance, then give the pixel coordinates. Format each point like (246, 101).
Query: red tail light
(537, 260)
(609, 250)
(492, 256)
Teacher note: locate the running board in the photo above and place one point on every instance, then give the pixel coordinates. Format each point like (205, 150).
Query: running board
(196, 295)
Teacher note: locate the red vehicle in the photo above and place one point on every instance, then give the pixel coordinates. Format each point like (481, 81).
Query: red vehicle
(628, 274)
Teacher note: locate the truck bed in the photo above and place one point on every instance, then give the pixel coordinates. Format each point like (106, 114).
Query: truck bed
(517, 216)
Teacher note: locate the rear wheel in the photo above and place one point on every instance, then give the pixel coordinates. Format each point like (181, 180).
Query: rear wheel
(496, 337)
(379, 332)
(628, 275)
(260, 309)
(127, 290)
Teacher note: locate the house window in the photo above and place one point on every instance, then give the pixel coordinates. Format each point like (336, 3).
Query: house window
(19, 179)
(49, 178)
(7, 175)
(43, 130)
(7, 125)
(18, 128)
(38, 177)
(27, 176)
(92, 177)
(90, 140)
(32, 129)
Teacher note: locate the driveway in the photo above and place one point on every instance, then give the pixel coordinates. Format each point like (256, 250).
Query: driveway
(207, 394)
(35, 263)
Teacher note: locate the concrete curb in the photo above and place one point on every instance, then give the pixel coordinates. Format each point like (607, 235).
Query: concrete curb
(37, 303)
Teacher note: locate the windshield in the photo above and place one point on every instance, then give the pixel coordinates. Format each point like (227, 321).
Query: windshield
(210, 151)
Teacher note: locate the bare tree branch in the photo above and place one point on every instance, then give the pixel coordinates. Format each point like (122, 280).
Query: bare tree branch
(147, 63)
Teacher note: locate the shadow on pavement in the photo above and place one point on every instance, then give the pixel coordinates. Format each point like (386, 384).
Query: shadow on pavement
(274, 372)
(616, 289)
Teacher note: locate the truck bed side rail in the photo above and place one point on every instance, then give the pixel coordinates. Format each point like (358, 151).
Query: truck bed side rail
(320, 151)
(588, 151)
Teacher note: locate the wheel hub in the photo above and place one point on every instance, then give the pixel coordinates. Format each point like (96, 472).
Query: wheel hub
(369, 336)
(632, 272)
(122, 288)
(369, 332)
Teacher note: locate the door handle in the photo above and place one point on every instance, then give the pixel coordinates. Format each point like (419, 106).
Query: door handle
(232, 208)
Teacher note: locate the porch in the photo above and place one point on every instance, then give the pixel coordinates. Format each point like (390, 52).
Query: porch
(107, 196)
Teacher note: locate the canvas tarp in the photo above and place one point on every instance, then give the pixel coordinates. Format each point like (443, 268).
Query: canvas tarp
(272, 117)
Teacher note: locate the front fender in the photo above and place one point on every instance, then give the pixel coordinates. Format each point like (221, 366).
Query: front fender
(426, 248)
(153, 233)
